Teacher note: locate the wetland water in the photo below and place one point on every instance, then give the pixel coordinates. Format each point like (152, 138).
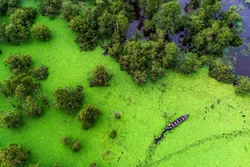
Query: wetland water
(241, 54)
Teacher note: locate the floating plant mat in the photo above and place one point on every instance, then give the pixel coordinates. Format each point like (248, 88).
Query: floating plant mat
(215, 134)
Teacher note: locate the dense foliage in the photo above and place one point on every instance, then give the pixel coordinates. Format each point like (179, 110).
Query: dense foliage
(221, 72)
(88, 115)
(17, 31)
(7, 6)
(50, 8)
(100, 77)
(40, 32)
(188, 63)
(40, 73)
(243, 85)
(11, 119)
(68, 99)
(13, 156)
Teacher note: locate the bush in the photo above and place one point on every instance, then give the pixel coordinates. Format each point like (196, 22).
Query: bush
(113, 134)
(188, 63)
(13, 156)
(68, 99)
(140, 77)
(243, 86)
(76, 146)
(40, 73)
(221, 72)
(65, 140)
(11, 119)
(88, 115)
(117, 115)
(32, 108)
(7, 5)
(40, 32)
(18, 63)
(100, 77)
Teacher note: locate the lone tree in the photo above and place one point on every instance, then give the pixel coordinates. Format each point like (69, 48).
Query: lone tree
(40, 32)
(88, 115)
(68, 99)
(100, 77)
(13, 156)
(11, 119)
(221, 72)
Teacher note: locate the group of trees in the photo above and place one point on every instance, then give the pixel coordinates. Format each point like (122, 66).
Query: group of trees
(22, 89)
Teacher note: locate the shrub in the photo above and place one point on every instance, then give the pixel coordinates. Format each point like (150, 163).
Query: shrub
(11, 119)
(18, 63)
(76, 146)
(221, 72)
(40, 32)
(65, 140)
(243, 86)
(68, 99)
(40, 73)
(188, 63)
(113, 134)
(117, 115)
(13, 156)
(88, 115)
(100, 77)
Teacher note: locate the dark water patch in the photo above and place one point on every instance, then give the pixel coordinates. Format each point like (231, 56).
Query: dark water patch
(105, 53)
(242, 66)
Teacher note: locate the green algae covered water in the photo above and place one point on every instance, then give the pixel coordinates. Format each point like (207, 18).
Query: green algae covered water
(216, 133)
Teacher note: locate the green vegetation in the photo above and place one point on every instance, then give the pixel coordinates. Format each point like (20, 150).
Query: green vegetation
(100, 77)
(40, 32)
(13, 156)
(243, 86)
(50, 8)
(212, 105)
(88, 115)
(11, 119)
(68, 99)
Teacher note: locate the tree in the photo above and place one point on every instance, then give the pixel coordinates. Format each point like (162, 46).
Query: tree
(150, 7)
(88, 115)
(11, 120)
(13, 81)
(13, 156)
(221, 72)
(16, 34)
(68, 99)
(50, 8)
(157, 71)
(106, 24)
(40, 73)
(188, 63)
(243, 86)
(7, 5)
(167, 17)
(40, 32)
(18, 63)
(140, 77)
(32, 108)
(100, 77)
(69, 10)
(172, 52)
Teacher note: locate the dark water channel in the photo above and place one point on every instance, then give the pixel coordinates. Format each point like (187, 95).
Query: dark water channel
(241, 54)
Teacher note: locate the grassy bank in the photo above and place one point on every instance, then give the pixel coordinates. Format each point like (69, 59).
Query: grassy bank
(214, 110)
